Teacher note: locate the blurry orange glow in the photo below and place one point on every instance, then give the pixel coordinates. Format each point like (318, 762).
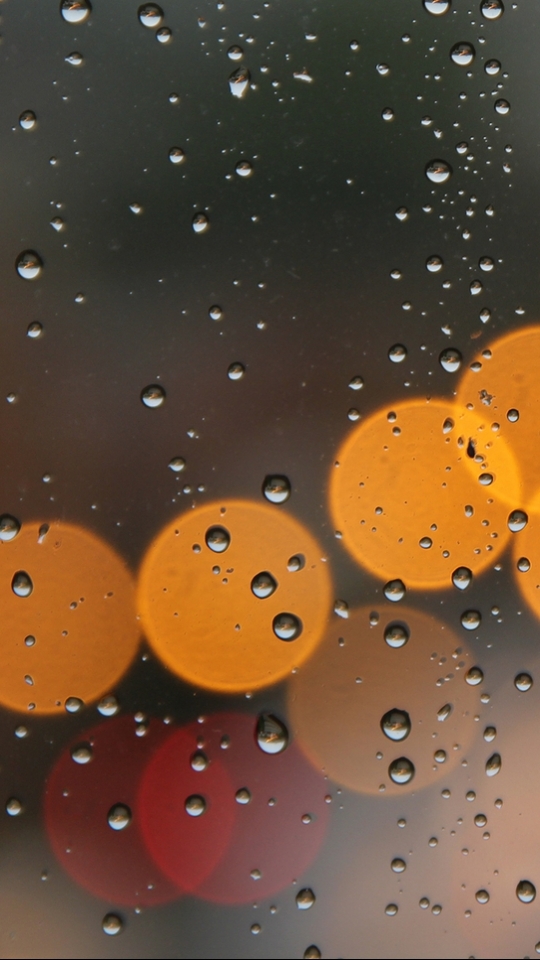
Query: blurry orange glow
(197, 598)
(338, 699)
(76, 633)
(414, 492)
(503, 387)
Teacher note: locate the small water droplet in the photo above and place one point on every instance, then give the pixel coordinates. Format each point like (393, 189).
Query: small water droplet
(150, 15)
(471, 619)
(14, 807)
(108, 706)
(312, 953)
(438, 171)
(401, 770)
(492, 9)
(9, 527)
(27, 120)
(218, 539)
(434, 264)
(391, 909)
(383, 69)
(235, 52)
(402, 213)
(82, 753)
(75, 11)
(396, 635)
(271, 734)
(523, 682)
(200, 223)
(29, 265)
(517, 521)
(21, 584)
(164, 35)
(437, 7)
(474, 676)
(276, 489)
(480, 820)
(502, 107)
(34, 330)
(524, 564)
(75, 59)
(493, 765)
(444, 712)
(463, 54)
(489, 734)
(239, 82)
(462, 578)
(199, 761)
(153, 396)
(244, 168)
(236, 371)
(263, 585)
(398, 865)
(177, 464)
(243, 796)
(526, 891)
(176, 155)
(287, 626)
(492, 68)
(356, 383)
(305, 899)
(112, 925)
(388, 114)
(482, 896)
(195, 805)
(119, 816)
(215, 312)
(396, 724)
(513, 415)
(450, 360)
(486, 264)
(397, 353)
(394, 590)
(74, 705)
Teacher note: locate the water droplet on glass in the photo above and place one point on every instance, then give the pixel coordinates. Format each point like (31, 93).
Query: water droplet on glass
(450, 360)
(164, 35)
(513, 415)
(195, 805)
(396, 635)
(402, 213)
(177, 464)
(108, 706)
(215, 312)
(486, 264)
(34, 330)
(243, 796)
(462, 578)
(305, 899)
(176, 155)
(276, 489)
(398, 865)
(244, 168)
(492, 9)
(14, 807)
(9, 527)
(236, 371)
(29, 641)
(74, 705)
(263, 585)
(394, 590)
(493, 765)
(526, 891)
(150, 15)
(401, 770)
(75, 11)
(438, 171)
(502, 107)
(397, 353)
(492, 68)
(440, 756)
(444, 712)
(27, 120)
(82, 753)
(29, 265)
(356, 383)
(396, 724)
(200, 223)
(235, 52)
(482, 896)
(391, 909)
(462, 147)
(383, 69)
(489, 734)
(471, 619)
(437, 7)
(312, 953)
(287, 626)
(21, 584)
(112, 925)
(524, 564)
(153, 396)
(463, 54)
(480, 820)
(239, 82)
(218, 539)
(474, 676)
(517, 521)
(271, 734)
(388, 114)
(199, 761)
(296, 563)
(523, 682)
(75, 59)
(434, 264)
(119, 817)
(341, 609)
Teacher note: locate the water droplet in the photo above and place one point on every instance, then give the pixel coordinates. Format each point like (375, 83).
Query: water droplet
(150, 15)
(271, 734)
(244, 168)
(195, 805)
(391, 909)
(177, 464)
(74, 705)
(486, 264)
(243, 796)
(437, 7)
(397, 353)
(383, 69)
(199, 761)
(474, 676)
(462, 578)
(398, 865)
(153, 396)
(401, 770)
(34, 330)
(58, 224)
(75, 11)
(75, 59)
(112, 925)
(502, 107)
(440, 756)
(82, 753)
(27, 120)
(463, 54)
(444, 712)
(305, 899)
(218, 539)
(482, 896)
(396, 724)
(493, 765)
(492, 68)
(492, 9)
(394, 590)
(239, 82)
(215, 312)
(480, 820)
(450, 360)
(255, 928)
(176, 155)
(235, 52)
(200, 223)
(14, 807)
(388, 114)
(312, 953)
(29, 641)
(296, 563)
(164, 35)
(524, 564)
(119, 817)
(396, 635)
(263, 585)
(523, 682)
(356, 383)
(108, 706)
(236, 371)
(517, 521)
(276, 489)
(21, 584)
(462, 147)
(434, 264)
(29, 265)
(423, 903)
(354, 46)
(471, 619)
(489, 734)
(438, 171)
(526, 891)
(402, 213)
(9, 527)
(513, 415)
(287, 626)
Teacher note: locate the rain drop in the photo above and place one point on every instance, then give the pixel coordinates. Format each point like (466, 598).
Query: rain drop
(75, 59)
(394, 590)
(402, 213)
(305, 899)
(236, 371)
(108, 706)
(153, 396)
(243, 796)
(502, 107)
(9, 527)
(82, 754)
(517, 521)
(492, 68)
(434, 264)
(391, 909)
(195, 805)
(75, 11)
(74, 705)
(34, 330)
(440, 756)
(27, 120)
(480, 820)
(263, 585)
(199, 761)
(513, 415)
(486, 264)
(523, 682)
(471, 619)
(244, 168)
(398, 865)
(356, 383)
(396, 724)
(296, 563)
(401, 770)
(462, 578)
(239, 82)
(119, 817)
(492, 9)
(489, 734)
(215, 312)
(14, 807)
(396, 635)
(112, 925)
(474, 676)
(438, 171)
(176, 155)
(271, 734)
(482, 896)
(29, 265)
(463, 54)
(287, 626)
(523, 564)
(164, 35)
(200, 223)
(397, 353)
(450, 360)
(526, 891)
(312, 953)
(493, 765)
(21, 584)
(177, 464)
(150, 15)
(235, 53)
(218, 539)
(444, 712)
(437, 7)
(276, 489)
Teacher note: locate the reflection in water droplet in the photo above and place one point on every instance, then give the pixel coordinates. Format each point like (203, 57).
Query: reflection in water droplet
(215, 312)
(493, 765)
(75, 59)
(82, 753)
(492, 9)
(396, 635)
(244, 168)
(75, 11)
(29, 265)
(236, 371)
(305, 899)
(487, 264)
(177, 464)
(235, 52)
(34, 330)
(239, 82)
(402, 213)
(9, 527)
(27, 120)
(200, 223)
(14, 807)
(434, 264)
(394, 590)
(287, 626)
(397, 353)
(438, 171)
(296, 563)
(471, 619)
(492, 67)
(21, 584)
(437, 7)
(271, 734)
(517, 521)
(176, 155)
(523, 682)
(526, 891)
(391, 909)
(474, 676)
(524, 564)
(482, 896)
(164, 35)
(398, 865)
(112, 925)
(199, 761)
(119, 817)
(263, 585)
(450, 360)
(489, 734)
(108, 706)
(444, 712)
(383, 69)
(74, 705)
(150, 15)
(312, 953)
(243, 796)
(513, 415)
(276, 489)
(480, 820)
(463, 54)
(401, 770)
(218, 539)
(462, 578)
(195, 805)
(396, 724)
(153, 396)
(356, 383)
(502, 107)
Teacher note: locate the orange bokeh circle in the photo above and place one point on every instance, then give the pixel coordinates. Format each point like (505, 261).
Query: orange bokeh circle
(76, 633)
(408, 492)
(198, 606)
(338, 699)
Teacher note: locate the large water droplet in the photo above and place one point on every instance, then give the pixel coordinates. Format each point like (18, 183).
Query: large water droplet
(492, 9)
(29, 265)
(239, 82)
(9, 527)
(263, 585)
(153, 396)
(243, 796)
(482, 896)
(271, 734)
(112, 925)
(502, 107)
(236, 371)
(401, 770)
(199, 761)
(119, 817)
(397, 353)
(434, 264)
(523, 564)
(523, 682)
(438, 171)
(305, 899)
(74, 705)
(200, 223)
(396, 635)
(287, 626)
(463, 54)
(493, 765)
(474, 676)
(489, 734)
(150, 15)
(492, 68)
(398, 865)
(218, 539)
(462, 578)
(195, 805)
(471, 619)
(396, 724)
(82, 754)
(177, 464)
(75, 11)
(277, 489)
(27, 120)
(437, 7)
(108, 706)
(450, 360)
(526, 891)
(394, 590)
(215, 312)
(21, 584)
(34, 330)
(517, 521)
